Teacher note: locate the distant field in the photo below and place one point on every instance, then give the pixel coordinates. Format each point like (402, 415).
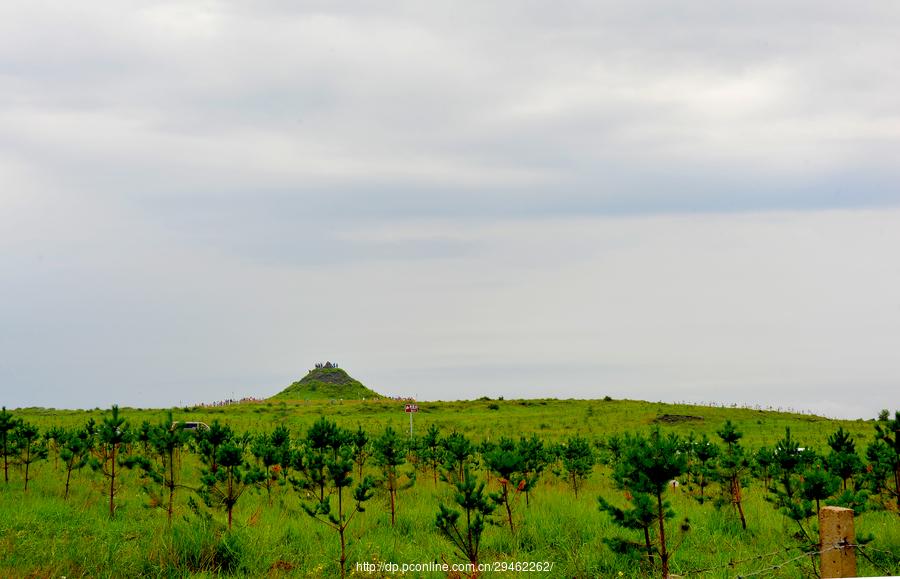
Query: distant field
(551, 418)
(42, 535)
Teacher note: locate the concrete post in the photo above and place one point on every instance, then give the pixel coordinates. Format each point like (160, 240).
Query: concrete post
(838, 559)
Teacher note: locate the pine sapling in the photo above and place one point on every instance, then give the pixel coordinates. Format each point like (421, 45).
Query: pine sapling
(647, 466)
(764, 465)
(109, 451)
(534, 461)
(30, 447)
(323, 440)
(225, 485)
(507, 463)
(640, 517)
(339, 470)
(843, 460)
(578, 461)
(53, 438)
(209, 440)
(888, 433)
(733, 465)
(361, 449)
(75, 451)
(269, 455)
(390, 452)
(7, 424)
(465, 535)
(281, 440)
(432, 450)
(164, 443)
(818, 484)
(458, 452)
(790, 463)
(701, 467)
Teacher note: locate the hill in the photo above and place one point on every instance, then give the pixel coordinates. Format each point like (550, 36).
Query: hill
(326, 384)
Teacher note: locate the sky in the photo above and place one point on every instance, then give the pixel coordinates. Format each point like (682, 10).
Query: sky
(664, 201)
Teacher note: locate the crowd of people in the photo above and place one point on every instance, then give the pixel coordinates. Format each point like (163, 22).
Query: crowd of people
(229, 401)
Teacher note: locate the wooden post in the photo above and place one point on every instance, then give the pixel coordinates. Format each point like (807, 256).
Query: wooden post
(836, 537)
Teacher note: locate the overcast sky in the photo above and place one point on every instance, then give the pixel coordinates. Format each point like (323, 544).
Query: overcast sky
(666, 201)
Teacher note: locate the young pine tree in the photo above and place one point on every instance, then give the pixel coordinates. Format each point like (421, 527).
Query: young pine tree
(733, 465)
(269, 455)
(702, 466)
(323, 440)
(53, 438)
(465, 535)
(433, 450)
(75, 451)
(534, 460)
(578, 461)
(208, 441)
(647, 466)
(225, 485)
(164, 443)
(818, 484)
(640, 517)
(790, 462)
(325, 436)
(843, 460)
(7, 424)
(311, 464)
(281, 440)
(361, 449)
(879, 474)
(141, 437)
(764, 465)
(109, 451)
(458, 452)
(507, 463)
(29, 447)
(390, 452)
(887, 454)
(339, 469)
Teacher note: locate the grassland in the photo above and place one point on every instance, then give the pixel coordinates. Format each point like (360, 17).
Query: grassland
(41, 535)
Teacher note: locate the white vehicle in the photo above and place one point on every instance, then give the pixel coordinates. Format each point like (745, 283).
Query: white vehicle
(190, 425)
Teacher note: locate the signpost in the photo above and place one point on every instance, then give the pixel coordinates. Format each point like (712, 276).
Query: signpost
(410, 408)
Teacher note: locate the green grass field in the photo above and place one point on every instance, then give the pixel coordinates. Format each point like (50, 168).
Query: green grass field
(41, 535)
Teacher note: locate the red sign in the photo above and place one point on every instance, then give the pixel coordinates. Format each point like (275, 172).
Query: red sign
(412, 407)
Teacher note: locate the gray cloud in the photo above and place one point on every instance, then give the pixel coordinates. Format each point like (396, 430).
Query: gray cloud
(190, 193)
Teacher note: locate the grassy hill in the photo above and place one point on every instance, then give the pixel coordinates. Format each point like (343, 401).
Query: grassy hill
(326, 384)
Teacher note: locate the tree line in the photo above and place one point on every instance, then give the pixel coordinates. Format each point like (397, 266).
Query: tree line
(326, 467)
